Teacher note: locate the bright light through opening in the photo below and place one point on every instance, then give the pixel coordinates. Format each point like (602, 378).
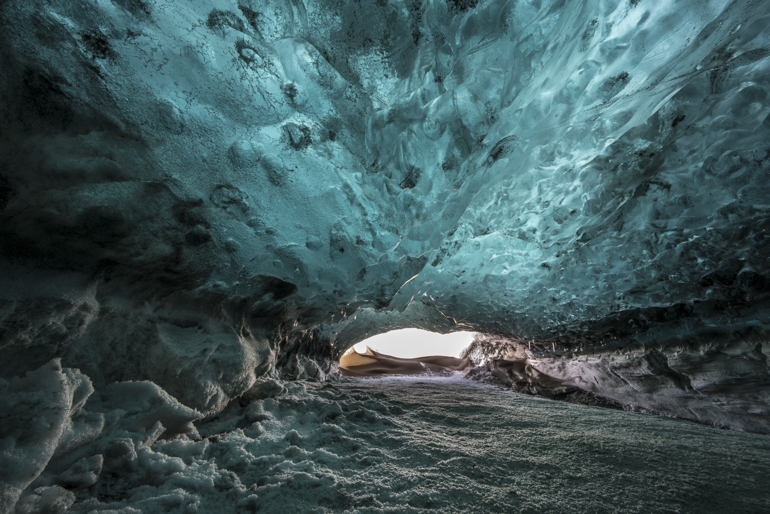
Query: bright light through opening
(410, 343)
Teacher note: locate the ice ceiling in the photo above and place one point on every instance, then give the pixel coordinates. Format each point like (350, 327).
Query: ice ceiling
(199, 194)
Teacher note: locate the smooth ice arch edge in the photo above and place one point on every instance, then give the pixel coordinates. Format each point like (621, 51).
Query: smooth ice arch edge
(202, 199)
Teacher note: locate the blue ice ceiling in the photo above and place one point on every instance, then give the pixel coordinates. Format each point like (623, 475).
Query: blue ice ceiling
(214, 190)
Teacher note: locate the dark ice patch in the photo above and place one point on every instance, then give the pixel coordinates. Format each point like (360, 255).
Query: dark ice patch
(6, 192)
(643, 188)
(218, 20)
(660, 368)
(252, 17)
(190, 213)
(719, 76)
(726, 275)
(448, 248)
(44, 95)
(723, 278)
(583, 397)
(299, 135)
(135, 7)
(232, 246)
(718, 79)
(197, 236)
(246, 52)
(614, 85)
(290, 90)
(313, 243)
(103, 224)
(746, 58)
(227, 196)
(96, 42)
(274, 286)
(458, 6)
(411, 179)
(373, 23)
(752, 281)
(588, 34)
(415, 20)
(501, 149)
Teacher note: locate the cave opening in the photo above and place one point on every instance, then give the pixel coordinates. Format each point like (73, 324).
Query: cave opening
(409, 343)
(408, 351)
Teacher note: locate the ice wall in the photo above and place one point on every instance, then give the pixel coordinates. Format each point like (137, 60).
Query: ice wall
(193, 193)
(719, 380)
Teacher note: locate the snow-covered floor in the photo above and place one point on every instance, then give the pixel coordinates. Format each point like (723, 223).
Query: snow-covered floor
(442, 444)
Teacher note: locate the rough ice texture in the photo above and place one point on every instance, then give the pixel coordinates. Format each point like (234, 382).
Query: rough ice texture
(194, 195)
(720, 381)
(422, 444)
(42, 414)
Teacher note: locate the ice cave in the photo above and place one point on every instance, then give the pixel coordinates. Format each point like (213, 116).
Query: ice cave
(205, 204)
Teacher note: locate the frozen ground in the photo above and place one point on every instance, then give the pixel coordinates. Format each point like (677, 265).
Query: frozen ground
(440, 444)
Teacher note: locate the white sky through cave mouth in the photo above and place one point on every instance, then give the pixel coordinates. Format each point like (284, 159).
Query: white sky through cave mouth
(409, 343)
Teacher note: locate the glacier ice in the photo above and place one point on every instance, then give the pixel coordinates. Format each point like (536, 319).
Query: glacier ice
(200, 199)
